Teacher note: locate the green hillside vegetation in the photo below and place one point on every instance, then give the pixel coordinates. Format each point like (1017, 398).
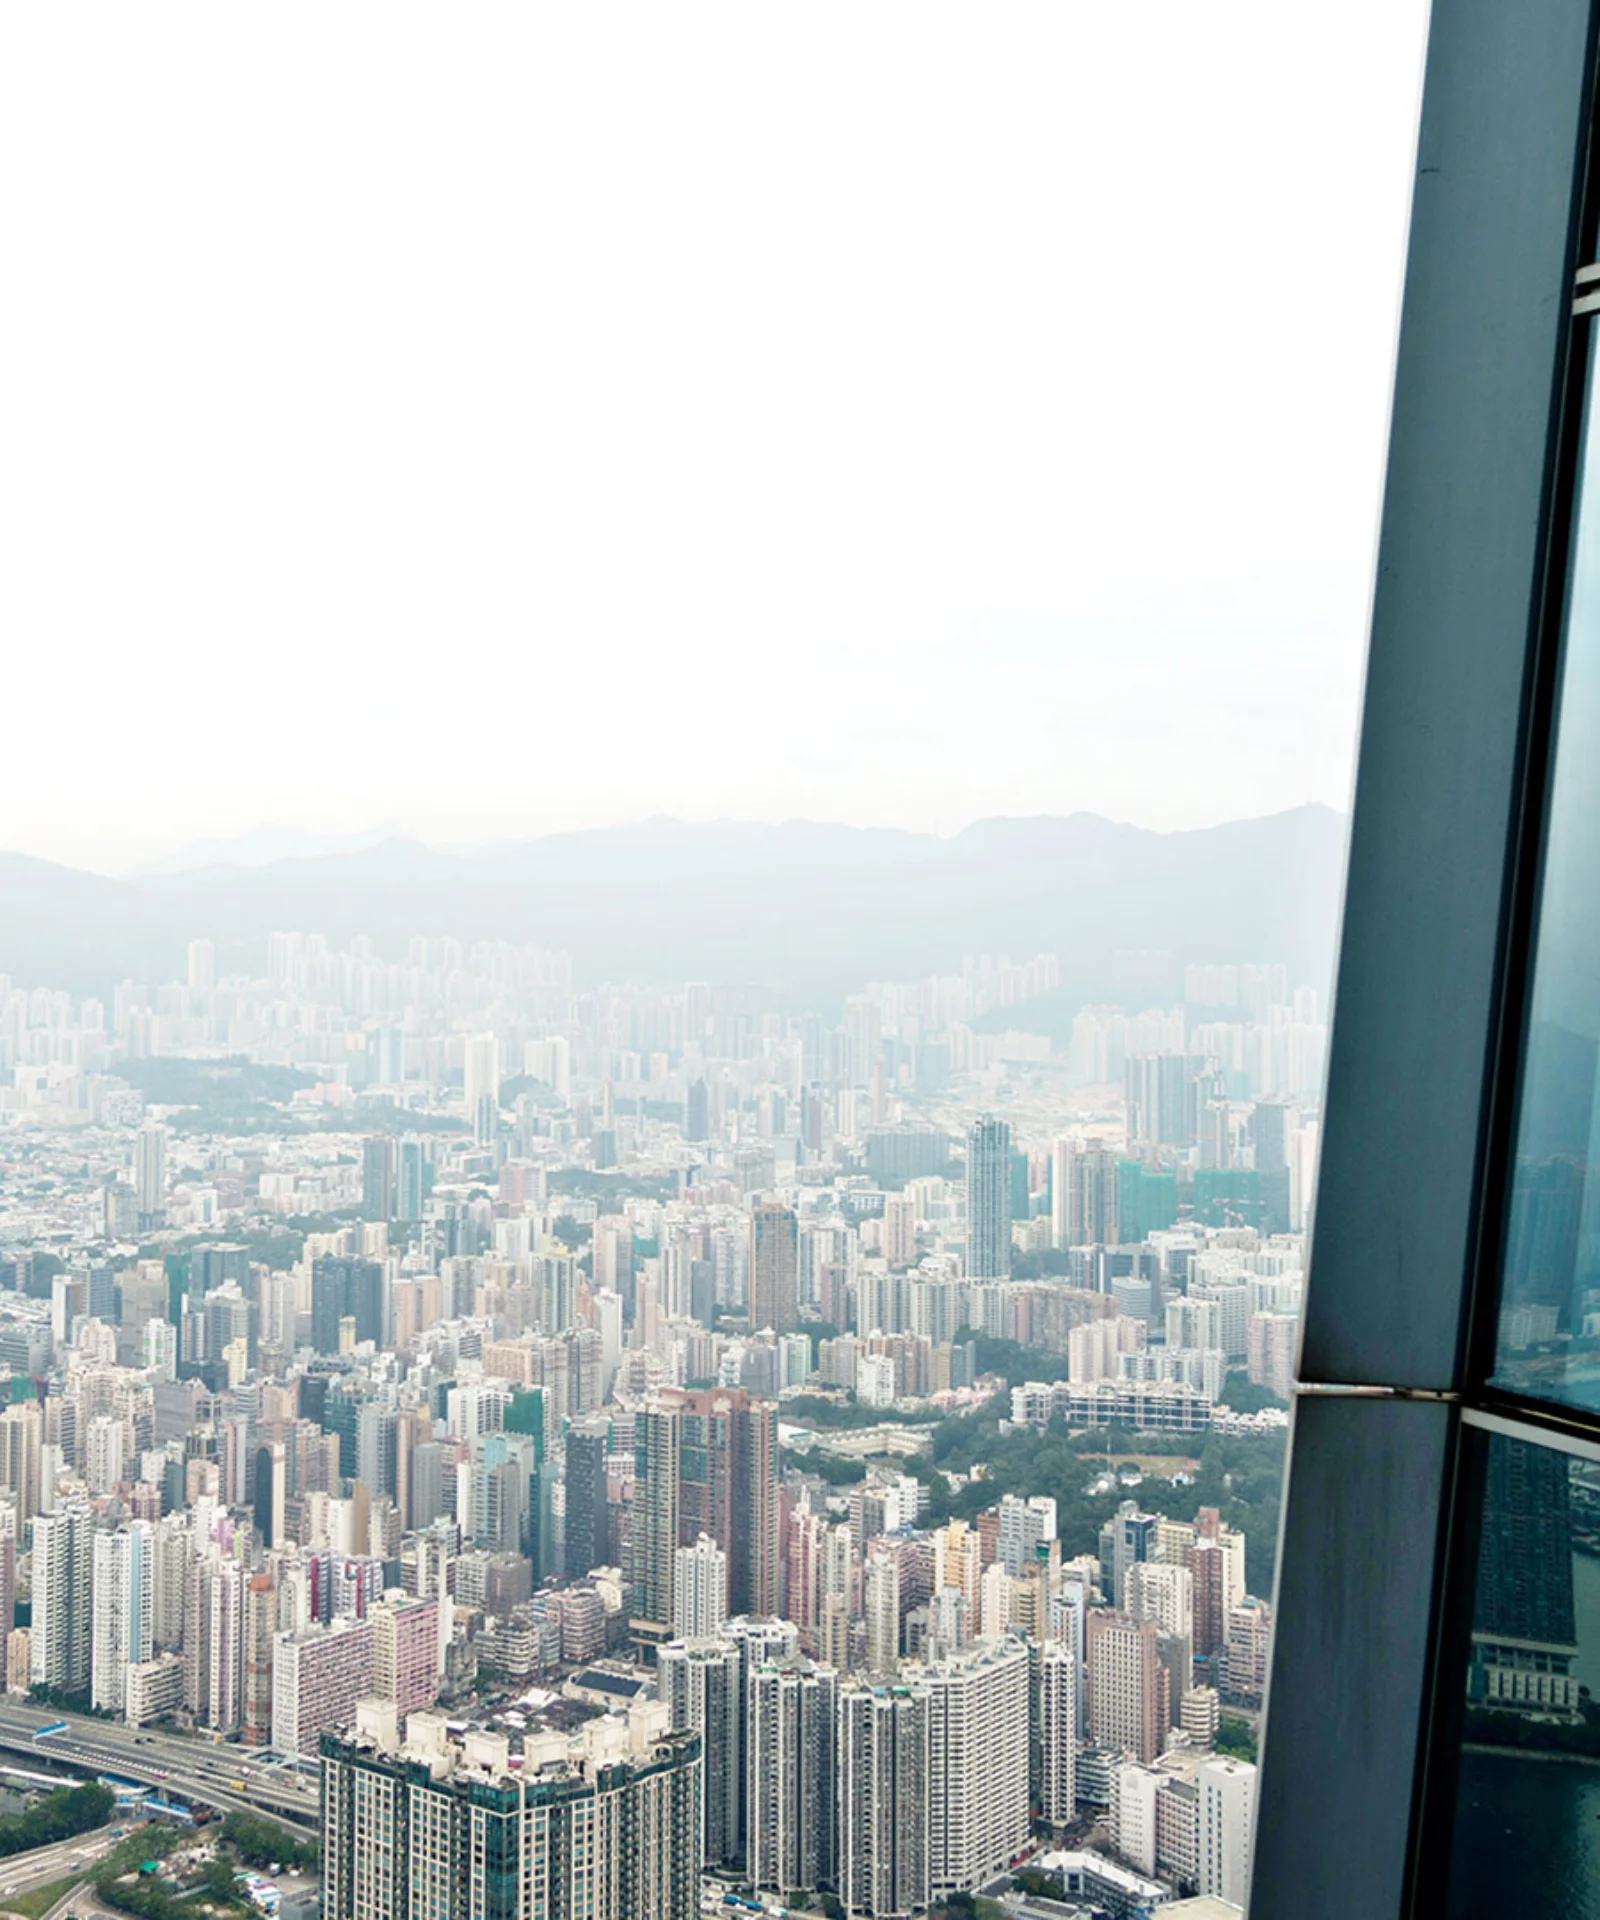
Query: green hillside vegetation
(1242, 1478)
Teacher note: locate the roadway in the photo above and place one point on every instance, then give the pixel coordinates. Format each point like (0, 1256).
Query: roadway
(231, 1779)
(20, 1872)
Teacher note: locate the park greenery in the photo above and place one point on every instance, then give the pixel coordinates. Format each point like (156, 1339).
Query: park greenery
(118, 1883)
(1236, 1737)
(263, 1843)
(835, 1468)
(1241, 1477)
(57, 1815)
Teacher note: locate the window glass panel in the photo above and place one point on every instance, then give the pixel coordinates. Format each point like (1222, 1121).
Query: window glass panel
(1528, 1801)
(1549, 1331)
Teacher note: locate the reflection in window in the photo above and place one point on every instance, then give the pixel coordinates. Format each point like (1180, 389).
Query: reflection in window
(1549, 1333)
(1528, 1805)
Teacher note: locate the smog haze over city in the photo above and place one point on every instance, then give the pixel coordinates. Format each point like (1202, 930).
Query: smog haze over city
(683, 685)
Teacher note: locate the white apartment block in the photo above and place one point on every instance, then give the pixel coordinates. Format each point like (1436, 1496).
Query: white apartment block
(1227, 1809)
(124, 1590)
(978, 1762)
(699, 1589)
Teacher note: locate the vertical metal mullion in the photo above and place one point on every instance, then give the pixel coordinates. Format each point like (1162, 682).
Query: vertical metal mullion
(1377, 1544)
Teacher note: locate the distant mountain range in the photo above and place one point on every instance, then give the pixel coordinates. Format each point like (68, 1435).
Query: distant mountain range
(808, 912)
(261, 847)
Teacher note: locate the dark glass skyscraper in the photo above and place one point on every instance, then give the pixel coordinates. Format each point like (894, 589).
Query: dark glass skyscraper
(989, 1200)
(586, 1537)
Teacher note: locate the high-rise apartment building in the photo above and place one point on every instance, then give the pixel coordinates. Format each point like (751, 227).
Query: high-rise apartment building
(122, 1629)
(705, 1462)
(1057, 1724)
(885, 1843)
(881, 1594)
(604, 1826)
(699, 1590)
(59, 1641)
(213, 1642)
(703, 1683)
(1025, 1525)
(1126, 1685)
(989, 1200)
(405, 1651)
(258, 1633)
(150, 1173)
(1083, 1195)
(774, 1267)
(318, 1675)
(481, 1083)
(790, 1759)
(21, 1437)
(1227, 1815)
(978, 1762)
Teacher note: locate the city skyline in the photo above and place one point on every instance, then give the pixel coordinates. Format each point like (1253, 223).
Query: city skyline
(656, 1402)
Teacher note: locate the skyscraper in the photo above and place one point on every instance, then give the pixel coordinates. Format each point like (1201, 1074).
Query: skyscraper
(1126, 1685)
(700, 1591)
(791, 1739)
(122, 1627)
(343, 1289)
(705, 1462)
(703, 1684)
(989, 1200)
(605, 1825)
(587, 1535)
(59, 1646)
(481, 1077)
(150, 1173)
(774, 1268)
(978, 1762)
(411, 1181)
(883, 1772)
(379, 1182)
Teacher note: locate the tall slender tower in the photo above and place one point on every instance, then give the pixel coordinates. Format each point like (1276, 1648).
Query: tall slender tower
(150, 1173)
(482, 1085)
(790, 1761)
(124, 1595)
(989, 1200)
(774, 1268)
(883, 1770)
(60, 1641)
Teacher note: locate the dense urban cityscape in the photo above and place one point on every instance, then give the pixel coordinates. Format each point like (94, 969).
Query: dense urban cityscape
(633, 1451)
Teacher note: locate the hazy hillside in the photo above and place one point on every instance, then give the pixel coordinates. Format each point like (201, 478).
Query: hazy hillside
(809, 910)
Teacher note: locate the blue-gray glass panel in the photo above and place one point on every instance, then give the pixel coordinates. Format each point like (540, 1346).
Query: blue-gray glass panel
(1527, 1813)
(1548, 1339)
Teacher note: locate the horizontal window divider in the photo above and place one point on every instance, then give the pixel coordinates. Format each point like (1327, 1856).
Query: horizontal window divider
(1368, 1390)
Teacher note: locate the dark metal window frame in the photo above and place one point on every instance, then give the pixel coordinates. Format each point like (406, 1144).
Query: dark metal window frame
(1392, 1412)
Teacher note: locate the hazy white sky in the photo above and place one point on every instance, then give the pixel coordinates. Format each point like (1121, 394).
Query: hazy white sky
(500, 419)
